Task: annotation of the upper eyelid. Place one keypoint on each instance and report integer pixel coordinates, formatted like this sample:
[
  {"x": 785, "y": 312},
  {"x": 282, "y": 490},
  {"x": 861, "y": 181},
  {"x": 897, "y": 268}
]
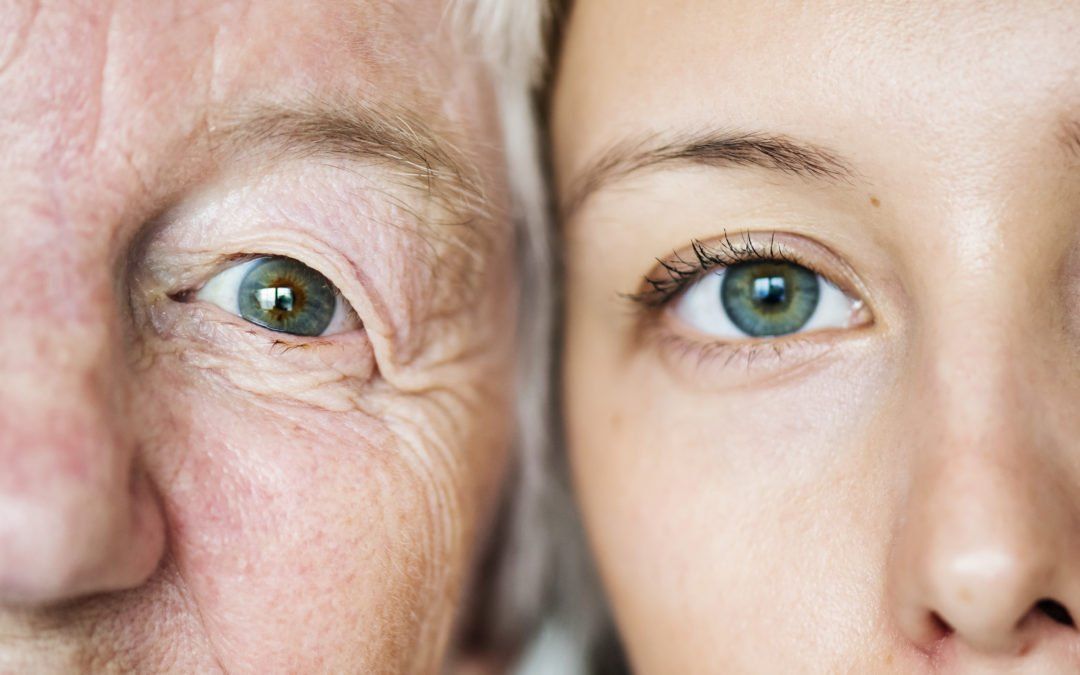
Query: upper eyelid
[
  {"x": 679, "y": 272},
  {"x": 748, "y": 246}
]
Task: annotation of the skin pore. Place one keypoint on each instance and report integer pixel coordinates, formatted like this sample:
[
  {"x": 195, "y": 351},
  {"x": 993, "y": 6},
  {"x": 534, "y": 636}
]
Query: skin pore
[
  {"x": 897, "y": 487},
  {"x": 185, "y": 490}
]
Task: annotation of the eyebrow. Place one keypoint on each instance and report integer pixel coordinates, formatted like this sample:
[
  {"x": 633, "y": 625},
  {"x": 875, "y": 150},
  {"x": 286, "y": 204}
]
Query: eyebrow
[
  {"x": 777, "y": 153},
  {"x": 412, "y": 149}
]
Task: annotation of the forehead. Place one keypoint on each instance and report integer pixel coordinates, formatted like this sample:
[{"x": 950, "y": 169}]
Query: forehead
[
  {"x": 233, "y": 45},
  {"x": 135, "y": 81},
  {"x": 818, "y": 70}
]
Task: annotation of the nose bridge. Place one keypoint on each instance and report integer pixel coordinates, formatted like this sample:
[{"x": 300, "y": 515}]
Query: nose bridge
[
  {"x": 58, "y": 413},
  {"x": 58, "y": 351},
  {"x": 74, "y": 516},
  {"x": 987, "y": 520}
]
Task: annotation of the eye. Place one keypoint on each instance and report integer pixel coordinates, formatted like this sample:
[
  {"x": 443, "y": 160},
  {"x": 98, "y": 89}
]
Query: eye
[
  {"x": 283, "y": 295},
  {"x": 762, "y": 299}
]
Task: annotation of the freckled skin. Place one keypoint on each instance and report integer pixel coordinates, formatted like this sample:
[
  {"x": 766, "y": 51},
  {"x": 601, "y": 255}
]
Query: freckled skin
[
  {"x": 183, "y": 491},
  {"x": 905, "y": 502}
]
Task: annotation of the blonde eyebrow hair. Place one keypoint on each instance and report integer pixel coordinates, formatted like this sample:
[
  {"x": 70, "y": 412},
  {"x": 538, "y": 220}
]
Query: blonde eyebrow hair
[{"x": 410, "y": 148}]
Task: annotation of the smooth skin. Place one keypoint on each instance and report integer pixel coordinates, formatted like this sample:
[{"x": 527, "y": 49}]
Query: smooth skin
[
  {"x": 900, "y": 494},
  {"x": 182, "y": 490}
]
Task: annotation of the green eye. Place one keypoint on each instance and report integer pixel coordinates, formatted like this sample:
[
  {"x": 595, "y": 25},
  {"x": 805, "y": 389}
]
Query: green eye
[
  {"x": 281, "y": 294},
  {"x": 286, "y": 295},
  {"x": 769, "y": 298}
]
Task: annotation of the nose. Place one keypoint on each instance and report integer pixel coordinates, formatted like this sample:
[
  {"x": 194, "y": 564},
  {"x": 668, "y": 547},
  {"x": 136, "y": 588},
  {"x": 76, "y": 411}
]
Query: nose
[
  {"x": 77, "y": 516},
  {"x": 982, "y": 555}
]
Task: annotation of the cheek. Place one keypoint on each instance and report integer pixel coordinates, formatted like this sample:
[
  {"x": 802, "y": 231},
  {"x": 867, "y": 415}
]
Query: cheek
[
  {"x": 701, "y": 506},
  {"x": 299, "y": 521}
]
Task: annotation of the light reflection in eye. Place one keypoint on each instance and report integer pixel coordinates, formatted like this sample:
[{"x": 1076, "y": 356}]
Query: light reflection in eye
[{"x": 275, "y": 298}]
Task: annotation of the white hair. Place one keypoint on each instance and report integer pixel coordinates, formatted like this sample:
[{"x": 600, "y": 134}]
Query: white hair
[{"x": 542, "y": 582}]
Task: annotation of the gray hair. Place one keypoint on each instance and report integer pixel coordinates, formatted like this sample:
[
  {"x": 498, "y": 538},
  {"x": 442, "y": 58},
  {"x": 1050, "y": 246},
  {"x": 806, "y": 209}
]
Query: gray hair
[{"x": 541, "y": 583}]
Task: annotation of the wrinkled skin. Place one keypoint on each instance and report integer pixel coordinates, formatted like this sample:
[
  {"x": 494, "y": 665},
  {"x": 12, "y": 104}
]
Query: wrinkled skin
[
  {"x": 182, "y": 490},
  {"x": 895, "y": 496}
]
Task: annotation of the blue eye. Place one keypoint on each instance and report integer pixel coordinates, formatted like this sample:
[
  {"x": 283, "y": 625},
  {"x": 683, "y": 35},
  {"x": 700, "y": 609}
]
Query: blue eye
[
  {"x": 282, "y": 295},
  {"x": 762, "y": 299}
]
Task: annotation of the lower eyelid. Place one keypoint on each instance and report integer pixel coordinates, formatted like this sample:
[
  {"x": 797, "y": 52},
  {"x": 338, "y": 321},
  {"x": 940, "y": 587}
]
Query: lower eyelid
[{"x": 713, "y": 364}]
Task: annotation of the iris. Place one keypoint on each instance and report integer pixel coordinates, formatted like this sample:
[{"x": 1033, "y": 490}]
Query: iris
[
  {"x": 286, "y": 295},
  {"x": 768, "y": 298}
]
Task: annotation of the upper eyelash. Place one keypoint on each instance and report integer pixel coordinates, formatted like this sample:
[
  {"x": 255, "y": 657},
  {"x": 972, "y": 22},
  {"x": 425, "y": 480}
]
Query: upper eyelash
[{"x": 679, "y": 273}]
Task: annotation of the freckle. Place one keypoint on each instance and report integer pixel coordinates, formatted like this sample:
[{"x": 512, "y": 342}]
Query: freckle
[
  {"x": 874, "y": 201},
  {"x": 964, "y": 594},
  {"x": 889, "y": 658}
]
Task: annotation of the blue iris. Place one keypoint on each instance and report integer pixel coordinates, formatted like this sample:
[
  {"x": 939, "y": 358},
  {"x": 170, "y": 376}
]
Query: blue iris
[
  {"x": 286, "y": 295},
  {"x": 769, "y": 298}
]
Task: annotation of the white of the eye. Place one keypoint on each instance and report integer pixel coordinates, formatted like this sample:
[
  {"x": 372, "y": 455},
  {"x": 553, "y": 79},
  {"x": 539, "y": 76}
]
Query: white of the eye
[
  {"x": 700, "y": 307},
  {"x": 223, "y": 290}
]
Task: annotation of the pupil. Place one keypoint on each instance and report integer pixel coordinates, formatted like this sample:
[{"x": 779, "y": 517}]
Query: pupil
[{"x": 770, "y": 291}]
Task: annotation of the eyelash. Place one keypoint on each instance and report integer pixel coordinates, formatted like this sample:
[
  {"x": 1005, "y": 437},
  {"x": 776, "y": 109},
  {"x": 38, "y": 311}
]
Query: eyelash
[{"x": 679, "y": 273}]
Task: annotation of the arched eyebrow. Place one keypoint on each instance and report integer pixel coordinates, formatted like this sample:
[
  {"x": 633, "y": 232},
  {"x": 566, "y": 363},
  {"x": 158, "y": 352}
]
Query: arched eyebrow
[
  {"x": 408, "y": 147},
  {"x": 771, "y": 152}
]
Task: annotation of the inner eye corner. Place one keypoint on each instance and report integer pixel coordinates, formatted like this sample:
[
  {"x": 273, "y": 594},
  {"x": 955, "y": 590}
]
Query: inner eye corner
[{"x": 185, "y": 295}]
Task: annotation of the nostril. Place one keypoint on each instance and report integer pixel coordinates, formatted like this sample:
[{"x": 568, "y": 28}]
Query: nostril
[
  {"x": 941, "y": 626},
  {"x": 1056, "y": 611}
]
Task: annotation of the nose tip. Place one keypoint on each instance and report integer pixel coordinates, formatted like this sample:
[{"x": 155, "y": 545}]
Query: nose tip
[
  {"x": 75, "y": 540},
  {"x": 77, "y": 516},
  {"x": 983, "y": 564},
  {"x": 989, "y": 597}
]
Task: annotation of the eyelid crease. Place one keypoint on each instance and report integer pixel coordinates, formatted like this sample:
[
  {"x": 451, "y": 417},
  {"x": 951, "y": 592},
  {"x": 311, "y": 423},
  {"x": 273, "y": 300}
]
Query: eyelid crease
[
  {"x": 458, "y": 218},
  {"x": 665, "y": 285}
]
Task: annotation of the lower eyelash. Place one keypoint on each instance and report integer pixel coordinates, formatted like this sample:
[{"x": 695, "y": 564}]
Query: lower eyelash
[
  {"x": 750, "y": 356},
  {"x": 679, "y": 273}
]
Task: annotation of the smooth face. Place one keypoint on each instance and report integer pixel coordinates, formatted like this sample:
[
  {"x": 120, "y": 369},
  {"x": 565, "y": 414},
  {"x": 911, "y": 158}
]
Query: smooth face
[
  {"x": 834, "y": 429},
  {"x": 284, "y": 468}
]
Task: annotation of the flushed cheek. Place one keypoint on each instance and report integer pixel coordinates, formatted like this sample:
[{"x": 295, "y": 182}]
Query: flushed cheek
[{"x": 302, "y": 532}]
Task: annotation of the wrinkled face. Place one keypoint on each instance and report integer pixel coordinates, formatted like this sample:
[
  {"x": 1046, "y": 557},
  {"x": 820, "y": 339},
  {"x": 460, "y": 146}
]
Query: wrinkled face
[
  {"x": 834, "y": 428},
  {"x": 255, "y": 353}
]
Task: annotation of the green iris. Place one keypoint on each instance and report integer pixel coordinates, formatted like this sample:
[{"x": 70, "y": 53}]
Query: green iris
[
  {"x": 286, "y": 295},
  {"x": 771, "y": 297}
]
